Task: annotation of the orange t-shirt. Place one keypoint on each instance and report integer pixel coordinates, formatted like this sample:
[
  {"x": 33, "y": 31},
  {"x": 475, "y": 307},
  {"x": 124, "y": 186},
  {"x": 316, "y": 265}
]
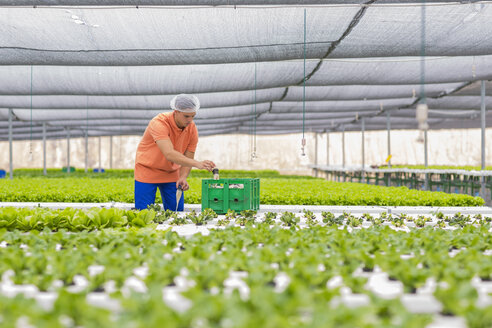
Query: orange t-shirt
[{"x": 150, "y": 164}]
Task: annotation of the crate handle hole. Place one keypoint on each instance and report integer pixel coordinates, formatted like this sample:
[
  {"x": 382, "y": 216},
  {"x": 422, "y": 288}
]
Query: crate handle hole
[
  {"x": 216, "y": 200},
  {"x": 236, "y": 200},
  {"x": 236, "y": 186}
]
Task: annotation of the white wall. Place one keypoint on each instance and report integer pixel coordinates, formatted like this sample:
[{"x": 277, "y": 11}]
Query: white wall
[{"x": 280, "y": 152}]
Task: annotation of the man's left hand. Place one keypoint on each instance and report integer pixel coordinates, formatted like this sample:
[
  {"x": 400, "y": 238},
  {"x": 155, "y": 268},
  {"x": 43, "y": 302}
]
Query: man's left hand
[{"x": 183, "y": 183}]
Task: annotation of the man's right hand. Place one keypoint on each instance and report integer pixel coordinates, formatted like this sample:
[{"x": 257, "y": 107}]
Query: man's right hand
[{"x": 206, "y": 165}]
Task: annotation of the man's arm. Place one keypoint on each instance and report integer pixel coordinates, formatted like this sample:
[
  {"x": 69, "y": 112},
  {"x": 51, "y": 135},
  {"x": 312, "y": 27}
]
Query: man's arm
[
  {"x": 184, "y": 171},
  {"x": 167, "y": 149}
]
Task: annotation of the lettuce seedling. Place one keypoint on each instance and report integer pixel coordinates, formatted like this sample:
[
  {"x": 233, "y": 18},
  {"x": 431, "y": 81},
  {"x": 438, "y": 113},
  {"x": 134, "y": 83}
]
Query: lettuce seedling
[
  {"x": 231, "y": 214},
  {"x": 289, "y": 219},
  {"x": 241, "y": 220},
  {"x": 209, "y": 214},
  {"x": 246, "y": 217},
  {"x": 143, "y": 218},
  {"x": 457, "y": 299},
  {"x": 420, "y": 222},
  {"x": 327, "y": 216},
  {"x": 377, "y": 222},
  {"x": 354, "y": 222},
  {"x": 308, "y": 214},
  {"x": 249, "y": 214},
  {"x": 441, "y": 224},
  {"x": 440, "y": 215},
  {"x": 222, "y": 222},
  {"x": 160, "y": 214},
  {"x": 191, "y": 216},
  {"x": 155, "y": 207},
  {"x": 312, "y": 222},
  {"x": 398, "y": 222},
  {"x": 425, "y": 218},
  {"x": 202, "y": 218},
  {"x": 269, "y": 217},
  {"x": 310, "y": 218},
  {"x": 177, "y": 220},
  {"x": 459, "y": 219}
]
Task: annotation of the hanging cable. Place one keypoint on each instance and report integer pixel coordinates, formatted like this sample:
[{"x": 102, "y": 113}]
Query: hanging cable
[
  {"x": 30, "y": 142},
  {"x": 87, "y": 114},
  {"x": 303, "y": 142},
  {"x": 253, "y": 155},
  {"x": 422, "y": 55},
  {"x": 250, "y": 135},
  {"x": 121, "y": 114},
  {"x": 86, "y": 132}
]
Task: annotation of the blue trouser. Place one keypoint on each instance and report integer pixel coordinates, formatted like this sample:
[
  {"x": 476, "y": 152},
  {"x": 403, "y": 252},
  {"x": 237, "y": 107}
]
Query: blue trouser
[{"x": 145, "y": 195}]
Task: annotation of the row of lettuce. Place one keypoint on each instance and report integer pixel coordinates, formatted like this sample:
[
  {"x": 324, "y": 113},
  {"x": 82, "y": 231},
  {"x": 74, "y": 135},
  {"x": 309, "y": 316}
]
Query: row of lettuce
[
  {"x": 128, "y": 173},
  {"x": 200, "y": 269},
  {"x": 45, "y": 219},
  {"x": 276, "y": 191},
  {"x": 440, "y": 167}
]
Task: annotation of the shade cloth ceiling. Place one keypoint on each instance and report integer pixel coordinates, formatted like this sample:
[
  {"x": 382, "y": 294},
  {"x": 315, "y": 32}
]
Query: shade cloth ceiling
[{"x": 265, "y": 67}]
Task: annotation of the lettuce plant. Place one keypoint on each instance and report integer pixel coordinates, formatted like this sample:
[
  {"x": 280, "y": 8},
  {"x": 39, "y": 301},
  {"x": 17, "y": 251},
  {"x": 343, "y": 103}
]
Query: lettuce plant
[
  {"x": 269, "y": 218},
  {"x": 289, "y": 219},
  {"x": 230, "y": 215}
]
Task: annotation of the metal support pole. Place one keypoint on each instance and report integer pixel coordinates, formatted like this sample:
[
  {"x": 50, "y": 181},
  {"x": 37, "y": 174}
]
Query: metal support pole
[
  {"x": 120, "y": 141},
  {"x": 343, "y": 151},
  {"x": 11, "y": 166},
  {"x": 363, "y": 122},
  {"x": 100, "y": 166},
  {"x": 44, "y": 149},
  {"x": 316, "y": 154},
  {"x": 388, "y": 128},
  {"x": 343, "y": 147},
  {"x": 68, "y": 150},
  {"x": 86, "y": 150},
  {"x": 327, "y": 148},
  {"x": 327, "y": 154},
  {"x": 482, "y": 112},
  {"x": 110, "y": 152},
  {"x": 426, "y": 181}
]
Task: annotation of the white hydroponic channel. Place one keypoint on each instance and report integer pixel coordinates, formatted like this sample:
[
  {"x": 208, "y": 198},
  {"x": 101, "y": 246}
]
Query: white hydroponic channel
[{"x": 423, "y": 301}]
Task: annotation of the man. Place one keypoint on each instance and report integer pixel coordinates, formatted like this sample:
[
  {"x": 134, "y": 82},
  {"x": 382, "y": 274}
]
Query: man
[{"x": 165, "y": 155}]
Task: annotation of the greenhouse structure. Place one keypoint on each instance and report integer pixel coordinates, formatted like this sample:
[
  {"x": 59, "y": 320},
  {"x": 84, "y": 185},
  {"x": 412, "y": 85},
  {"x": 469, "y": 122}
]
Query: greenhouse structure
[{"x": 354, "y": 236}]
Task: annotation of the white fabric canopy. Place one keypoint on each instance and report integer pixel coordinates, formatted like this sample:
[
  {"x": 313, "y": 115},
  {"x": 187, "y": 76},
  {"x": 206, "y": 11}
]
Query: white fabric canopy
[{"x": 108, "y": 67}]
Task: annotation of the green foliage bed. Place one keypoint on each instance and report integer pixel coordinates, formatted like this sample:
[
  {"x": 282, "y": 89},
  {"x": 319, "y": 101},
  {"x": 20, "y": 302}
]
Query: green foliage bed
[
  {"x": 310, "y": 258},
  {"x": 128, "y": 173},
  {"x": 440, "y": 167},
  {"x": 274, "y": 189}
]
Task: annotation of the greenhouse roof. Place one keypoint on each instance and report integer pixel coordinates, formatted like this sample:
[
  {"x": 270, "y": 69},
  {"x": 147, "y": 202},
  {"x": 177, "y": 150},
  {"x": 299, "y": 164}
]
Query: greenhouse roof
[{"x": 266, "y": 67}]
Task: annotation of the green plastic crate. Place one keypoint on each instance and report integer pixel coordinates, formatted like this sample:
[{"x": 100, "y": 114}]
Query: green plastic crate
[
  {"x": 231, "y": 194},
  {"x": 72, "y": 169}
]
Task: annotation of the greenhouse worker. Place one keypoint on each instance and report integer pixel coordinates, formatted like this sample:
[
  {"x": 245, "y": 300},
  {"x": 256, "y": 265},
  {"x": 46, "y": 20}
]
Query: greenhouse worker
[{"x": 165, "y": 155}]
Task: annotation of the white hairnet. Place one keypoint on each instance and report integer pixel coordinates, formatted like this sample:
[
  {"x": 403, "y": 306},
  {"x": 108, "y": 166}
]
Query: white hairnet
[{"x": 185, "y": 103}]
